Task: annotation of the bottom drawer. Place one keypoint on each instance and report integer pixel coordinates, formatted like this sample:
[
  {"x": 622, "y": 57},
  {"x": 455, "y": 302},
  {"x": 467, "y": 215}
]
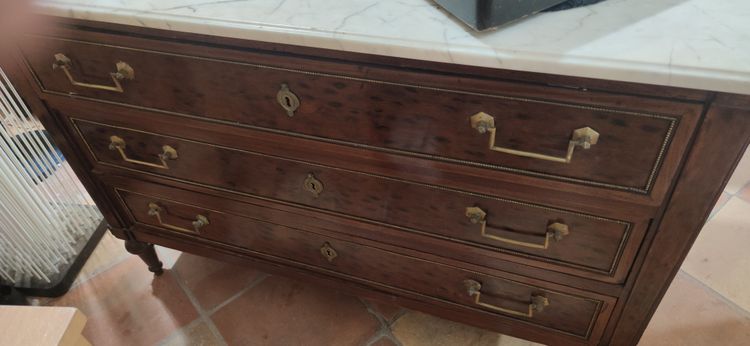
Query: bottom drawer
[{"x": 565, "y": 310}]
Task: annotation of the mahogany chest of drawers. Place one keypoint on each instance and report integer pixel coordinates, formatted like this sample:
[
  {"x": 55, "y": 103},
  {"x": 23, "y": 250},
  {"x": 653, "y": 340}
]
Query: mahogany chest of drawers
[{"x": 550, "y": 208}]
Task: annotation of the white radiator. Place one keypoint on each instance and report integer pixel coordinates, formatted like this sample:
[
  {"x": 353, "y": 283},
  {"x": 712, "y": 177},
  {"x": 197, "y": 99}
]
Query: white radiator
[{"x": 44, "y": 210}]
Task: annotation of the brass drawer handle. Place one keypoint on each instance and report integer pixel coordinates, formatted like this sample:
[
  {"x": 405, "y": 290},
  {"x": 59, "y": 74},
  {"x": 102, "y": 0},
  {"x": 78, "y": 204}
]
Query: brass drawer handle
[
  {"x": 584, "y": 137},
  {"x": 168, "y": 153},
  {"x": 124, "y": 71},
  {"x": 536, "y": 302},
  {"x": 288, "y": 100},
  {"x": 200, "y": 220},
  {"x": 555, "y": 230}
]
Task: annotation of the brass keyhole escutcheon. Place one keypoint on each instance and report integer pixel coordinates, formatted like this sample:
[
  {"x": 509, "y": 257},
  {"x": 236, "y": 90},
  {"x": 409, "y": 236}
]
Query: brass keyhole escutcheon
[
  {"x": 328, "y": 252},
  {"x": 287, "y": 100},
  {"x": 312, "y": 185}
]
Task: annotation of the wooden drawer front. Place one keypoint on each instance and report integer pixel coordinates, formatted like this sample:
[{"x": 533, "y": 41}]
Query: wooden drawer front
[
  {"x": 405, "y": 118},
  {"x": 569, "y": 313},
  {"x": 582, "y": 244}
]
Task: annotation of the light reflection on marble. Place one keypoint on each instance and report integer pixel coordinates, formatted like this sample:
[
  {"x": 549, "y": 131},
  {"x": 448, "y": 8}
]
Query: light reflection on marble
[{"x": 702, "y": 44}]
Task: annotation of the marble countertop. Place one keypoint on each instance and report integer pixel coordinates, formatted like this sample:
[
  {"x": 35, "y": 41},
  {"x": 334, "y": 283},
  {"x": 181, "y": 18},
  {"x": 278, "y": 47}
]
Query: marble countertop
[{"x": 700, "y": 44}]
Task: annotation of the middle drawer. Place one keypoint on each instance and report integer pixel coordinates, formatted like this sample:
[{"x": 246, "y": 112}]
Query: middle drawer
[{"x": 566, "y": 241}]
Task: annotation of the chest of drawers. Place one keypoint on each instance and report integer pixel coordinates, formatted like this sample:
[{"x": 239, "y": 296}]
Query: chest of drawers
[{"x": 501, "y": 199}]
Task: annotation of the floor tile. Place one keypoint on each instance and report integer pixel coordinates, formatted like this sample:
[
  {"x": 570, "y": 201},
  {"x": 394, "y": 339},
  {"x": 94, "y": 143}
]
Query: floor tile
[
  {"x": 283, "y": 312},
  {"x": 211, "y": 281},
  {"x": 691, "y": 315},
  {"x": 744, "y": 193},
  {"x": 388, "y": 312},
  {"x": 108, "y": 252},
  {"x": 195, "y": 334},
  {"x": 723, "y": 199},
  {"x": 128, "y": 305},
  {"x": 719, "y": 257},
  {"x": 741, "y": 175},
  {"x": 418, "y": 329},
  {"x": 168, "y": 256}
]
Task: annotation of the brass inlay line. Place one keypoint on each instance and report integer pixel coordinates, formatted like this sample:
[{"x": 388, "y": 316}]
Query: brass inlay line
[{"x": 644, "y": 190}]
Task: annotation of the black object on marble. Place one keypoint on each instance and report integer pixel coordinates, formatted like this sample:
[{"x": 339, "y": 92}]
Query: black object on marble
[
  {"x": 487, "y": 14},
  {"x": 572, "y": 4}
]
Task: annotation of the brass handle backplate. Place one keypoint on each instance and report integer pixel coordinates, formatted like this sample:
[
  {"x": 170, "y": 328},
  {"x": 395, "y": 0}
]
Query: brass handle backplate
[
  {"x": 555, "y": 230},
  {"x": 584, "y": 138},
  {"x": 536, "y": 302},
  {"x": 168, "y": 153},
  {"x": 312, "y": 185},
  {"x": 124, "y": 71},
  {"x": 288, "y": 100},
  {"x": 328, "y": 252},
  {"x": 200, "y": 220}
]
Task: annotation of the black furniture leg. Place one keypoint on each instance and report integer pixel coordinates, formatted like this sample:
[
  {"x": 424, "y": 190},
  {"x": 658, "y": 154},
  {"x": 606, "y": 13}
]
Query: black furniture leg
[{"x": 147, "y": 253}]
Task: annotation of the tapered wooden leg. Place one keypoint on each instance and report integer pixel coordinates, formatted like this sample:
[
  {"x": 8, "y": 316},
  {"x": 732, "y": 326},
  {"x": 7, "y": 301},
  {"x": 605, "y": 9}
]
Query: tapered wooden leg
[{"x": 147, "y": 253}]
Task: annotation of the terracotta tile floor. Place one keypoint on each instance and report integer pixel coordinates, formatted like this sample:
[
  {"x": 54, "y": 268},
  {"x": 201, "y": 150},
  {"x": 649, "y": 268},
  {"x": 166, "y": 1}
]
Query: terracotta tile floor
[{"x": 199, "y": 301}]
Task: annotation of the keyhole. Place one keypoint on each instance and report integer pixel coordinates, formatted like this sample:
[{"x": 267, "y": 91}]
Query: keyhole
[
  {"x": 287, "y": 100},
  {"x": 328, "y": 252},
  {"x": 312, "y": 185}
]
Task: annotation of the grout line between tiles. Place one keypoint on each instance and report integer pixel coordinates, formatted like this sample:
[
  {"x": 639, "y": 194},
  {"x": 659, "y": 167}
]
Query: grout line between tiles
[
  {"x": 397, "y": 316},
  {"x": 201, "y": 313},
  {"x": 718, "y": 207},
  {"x": 385, "y": 326},
  {"x": 714, "y": 292},
  {"x": 96, "y": 273},
  {"x": 252, "y": 285},
  {"x": 381, "y": 336}
]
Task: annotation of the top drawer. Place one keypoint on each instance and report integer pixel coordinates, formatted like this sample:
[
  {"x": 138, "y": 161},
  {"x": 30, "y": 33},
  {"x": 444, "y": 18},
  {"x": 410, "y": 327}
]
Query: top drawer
[{"x": 403, "y": 112}]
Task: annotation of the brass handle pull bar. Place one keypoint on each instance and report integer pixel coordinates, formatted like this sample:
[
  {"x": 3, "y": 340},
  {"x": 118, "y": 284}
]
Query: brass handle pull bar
[
  {"x": 124, "y": 71},
  {"x": 200, "y": 220},
  {"x": 584, "y": 138},
  {"x": 555, "y": 230},
  {"x": 168, "y": 153},
  {"x": 536, "y": 302}
]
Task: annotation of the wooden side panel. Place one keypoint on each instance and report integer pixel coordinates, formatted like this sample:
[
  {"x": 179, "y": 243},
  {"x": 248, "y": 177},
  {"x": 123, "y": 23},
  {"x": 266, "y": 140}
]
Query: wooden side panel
[{"x": 719, "y": 145}]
